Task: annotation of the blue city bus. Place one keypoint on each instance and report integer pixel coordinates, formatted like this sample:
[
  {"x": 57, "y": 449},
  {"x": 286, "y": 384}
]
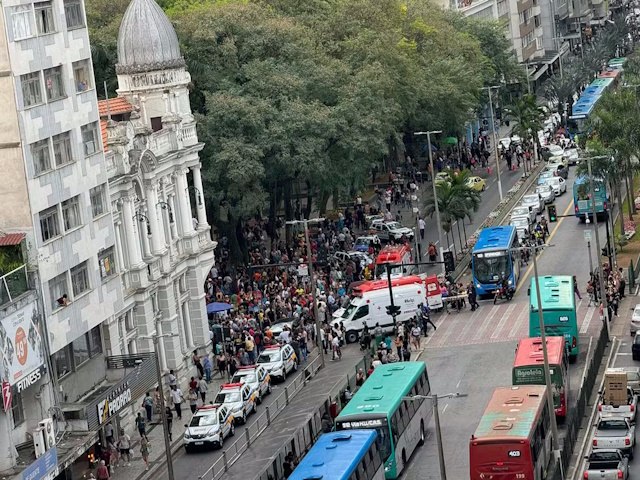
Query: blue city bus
[
  {"x": 582, "y": 204},
  {"x": 494, "y": 258},
  {"x": 344, "y": 455}
]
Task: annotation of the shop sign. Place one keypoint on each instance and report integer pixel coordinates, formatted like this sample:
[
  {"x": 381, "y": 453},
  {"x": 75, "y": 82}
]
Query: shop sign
[
  {"x": 113, "y": 403},
  {"x": 25, "y": 382},
  {"x": 6, "y": 396},
  {"x": 43, "y": 466},
  {"x": 20, "y": 344}
]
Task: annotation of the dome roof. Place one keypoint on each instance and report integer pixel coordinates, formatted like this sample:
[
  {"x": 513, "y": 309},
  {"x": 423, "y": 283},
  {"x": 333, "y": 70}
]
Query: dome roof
[{"x": 147, "y": 40}]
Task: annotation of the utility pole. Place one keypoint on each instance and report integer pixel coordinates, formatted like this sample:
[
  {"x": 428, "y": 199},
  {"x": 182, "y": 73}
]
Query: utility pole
[
  {"x": 312, "y": 280},
  {"x": 495, "y": 135},
  {"x": 435, "y": 194}
]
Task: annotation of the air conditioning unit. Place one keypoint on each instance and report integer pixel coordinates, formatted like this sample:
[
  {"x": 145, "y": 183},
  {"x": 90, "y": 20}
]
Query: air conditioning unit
[
  {"x": 38, "y": 442},
  {"x": 49, "y": 432}
]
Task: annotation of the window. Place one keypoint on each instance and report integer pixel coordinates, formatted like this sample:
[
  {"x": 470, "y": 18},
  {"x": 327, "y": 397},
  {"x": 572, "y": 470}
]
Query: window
[
  {"x": 80, "y": 278},
  {"x": 80, "y": 348},
  {"x": 156, "y": 123},
  {"x": 90, "y": 138},
  {"x": 363, "y": 311},
  {"x": 62, "y": 362},
  {"x": 82, "y": 76},
  {"x": 73, "y": 14},
  {"x": 49, "y": 223},
  {"x": 62, "y": 148},
  {"x": 21, "y": 20},
  {"x": 54, "y": 83},
  {"x": 41, "y": 156},
  {"x": 97, "y": 198},
  {"x": 58, "y": 288},
  {"x": 31, "y": 90},
  {"x": 95, "y": 341},
  {"x": 71, "y": 213},
  {"x": 44, "y": 17},
  {"x": 17, "y": 409},
  {"x": 106, "y": 261}
]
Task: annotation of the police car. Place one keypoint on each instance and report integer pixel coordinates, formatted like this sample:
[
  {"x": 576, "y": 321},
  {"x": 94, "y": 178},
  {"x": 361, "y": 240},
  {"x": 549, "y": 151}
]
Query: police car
[
  {"x": 209, "y": 426},
  {"x": 240, "y": 398},
  {"x": 257, "y": 377},
  {"x": 279, "y": 360}
]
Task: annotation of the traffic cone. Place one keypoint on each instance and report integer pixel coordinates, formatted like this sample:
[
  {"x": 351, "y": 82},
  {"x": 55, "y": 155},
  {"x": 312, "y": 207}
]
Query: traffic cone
[{"x": 489, "y": 170}]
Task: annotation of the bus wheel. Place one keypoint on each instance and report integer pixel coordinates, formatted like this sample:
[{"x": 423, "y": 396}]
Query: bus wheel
[{"x": 421, "y": 441}]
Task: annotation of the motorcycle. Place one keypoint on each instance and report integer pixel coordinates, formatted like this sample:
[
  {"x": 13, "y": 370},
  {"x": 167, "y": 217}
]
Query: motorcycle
[{"x": 504, "y": 293}]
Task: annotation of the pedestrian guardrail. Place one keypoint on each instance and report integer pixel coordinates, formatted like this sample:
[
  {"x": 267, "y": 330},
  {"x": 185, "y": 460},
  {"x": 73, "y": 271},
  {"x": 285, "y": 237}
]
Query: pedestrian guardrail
[{"x": 231, "y": 454}]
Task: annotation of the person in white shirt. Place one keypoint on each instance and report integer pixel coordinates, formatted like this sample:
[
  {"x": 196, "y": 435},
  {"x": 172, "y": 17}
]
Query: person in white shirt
[
  {"x": 421, "y": 225},
  {"x": 177, "y": 398}
]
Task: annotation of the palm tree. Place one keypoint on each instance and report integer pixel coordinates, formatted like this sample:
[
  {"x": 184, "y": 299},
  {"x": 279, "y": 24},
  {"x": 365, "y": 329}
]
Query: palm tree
[{"x": 528, "y": 117}]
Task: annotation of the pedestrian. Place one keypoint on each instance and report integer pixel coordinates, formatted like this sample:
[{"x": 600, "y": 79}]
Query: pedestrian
[
  {"x": 377, "y": 332},
  {"x": 398, "y": 344},
  {"x": 202, "y": 388},
  {"x": 169, "y": 415},
  {"x": 124, "y": 444},
  {"x": 415, "y": 337},
  {"x": 108, "y": 432},
  {"x": 102, "y": 473},
  {"x": 196, "y": 361},
  {"x": 432, "y": 251},
  {"x": 193, "y": 384},
  {"x": 147, "y": 404},
  {"x": 177, "y": 398},
  {"x": 140, "y": 424},
  {"x": 360, "y": 378},
  {"x": 622, "y": 284},
  {"x": 473, "y": 296},
  {"x": 206, "y": 364},
  {"x": 193, "y": 400},
  {"x": 421, "y": 225},
  {"x": 144, "y": 451},
  {"x": 172, "y": 381},
  {"x": 575, "y": 287}
]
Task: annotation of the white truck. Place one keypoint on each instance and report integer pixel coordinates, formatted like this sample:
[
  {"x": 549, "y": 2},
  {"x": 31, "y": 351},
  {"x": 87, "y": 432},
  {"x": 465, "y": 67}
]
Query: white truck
[
  {"x": 615, "y": 433},
  {"x": 617, "y": 408},
  {"x": 606, "y": 465}
]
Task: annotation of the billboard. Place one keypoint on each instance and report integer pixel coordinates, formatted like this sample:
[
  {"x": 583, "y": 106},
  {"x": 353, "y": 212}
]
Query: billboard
[{"x": 20, "y": 344}]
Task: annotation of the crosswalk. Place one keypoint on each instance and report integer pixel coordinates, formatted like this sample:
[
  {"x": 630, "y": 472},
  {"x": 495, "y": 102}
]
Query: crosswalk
[{"x": 498, "y": 323}]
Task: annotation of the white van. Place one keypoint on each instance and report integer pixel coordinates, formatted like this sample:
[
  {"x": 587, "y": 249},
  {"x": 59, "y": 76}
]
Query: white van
[{"x": 371, "y": 300}]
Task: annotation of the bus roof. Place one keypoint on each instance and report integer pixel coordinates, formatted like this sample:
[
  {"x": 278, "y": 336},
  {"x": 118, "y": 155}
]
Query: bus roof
[
  {"x": 556, "y": 293},
  {"x": 495, "y": 238},
  {"x": 335, "y": 455},
  {"x": 392, "y": 254},
  {"x": 530, "y": 351},
  {"x": 383, "y": 391},
  {"x": 511, "y": 413},
  {"x": 383, "y": 284}
]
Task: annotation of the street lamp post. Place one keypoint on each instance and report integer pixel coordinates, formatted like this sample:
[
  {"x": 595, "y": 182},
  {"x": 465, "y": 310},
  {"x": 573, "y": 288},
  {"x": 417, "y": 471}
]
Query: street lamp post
[
  {"x": 312, "y": 280},
  {"x": 435, "y": 194},
  {"x": 163, "y": 411},
  {"x": 495, "y": 136},
  {"x": 436, "y": 419}
]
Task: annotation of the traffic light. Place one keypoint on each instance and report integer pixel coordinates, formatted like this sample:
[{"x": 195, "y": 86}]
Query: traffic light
[
  {"x": 553, "y": 214},
  {"x": 393, "y": 310},
  {"x": 449, "y": 263}
]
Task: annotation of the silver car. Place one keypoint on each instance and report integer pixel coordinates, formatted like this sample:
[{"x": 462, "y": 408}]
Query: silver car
[
  {"x": 558, "y": 184},
  {"x": 534, "y": 202},
  {"x": 522, "y": 226},
  {"x": 546, "y": 193},
  {"x": 521, "y": 211}
]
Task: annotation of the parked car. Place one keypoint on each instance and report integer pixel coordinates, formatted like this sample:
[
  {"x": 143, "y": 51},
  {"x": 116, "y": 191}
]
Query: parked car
[
  {"x": 392, "y": 231},
  {"x": 608, "y": 464},
  {"x": 534, "y": 202},
  {"x": 546, "y": 193},
  {"x": 557, "y": 170},
  {"x": 635, "y": 346},
  {"x": 521, "y": 211},
  {"x": 558, "y": 184},
  {"x": 553, "y": 150},
  {"x": 544, "y": 176},
  {"x": 625, "y": 410},
  {"x": 572, "y": 156},
  {"x": 353, "y": 256},
  {"x": 635, "y": 320},
  {"x": 559, "y": 159},
  {"x": 443, "y": 177},
  {"x": 615, "y": 433}
]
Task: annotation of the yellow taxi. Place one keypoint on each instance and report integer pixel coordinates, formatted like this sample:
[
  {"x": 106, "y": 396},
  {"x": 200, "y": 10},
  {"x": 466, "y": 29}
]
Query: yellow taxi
[
  {"x": 239, "y": 398},
  {"x": 257, "y": 377},
  {"x": 477, "y": 183}
]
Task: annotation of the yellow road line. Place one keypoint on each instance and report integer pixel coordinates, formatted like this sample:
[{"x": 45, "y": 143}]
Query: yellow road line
[{"x": 523, "y": 280}]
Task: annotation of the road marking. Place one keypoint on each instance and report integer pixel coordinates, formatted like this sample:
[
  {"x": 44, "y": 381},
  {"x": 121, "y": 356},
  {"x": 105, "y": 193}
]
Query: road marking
[
  {"x": 529, "y": 270},
  {"x": 623, "y": 353},
  {"x": 505, "y": 317},
  {"x": 458, "y": 384},
  {"x": 445, "y": 408},
  {"x": 587, "y": 320}
]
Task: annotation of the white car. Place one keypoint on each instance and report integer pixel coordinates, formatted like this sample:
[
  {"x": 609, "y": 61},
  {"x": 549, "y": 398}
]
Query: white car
[
  {"x": 257, "y": 377},
  {"x": 240, "y": 398},
  {"x": 344, "y": 257},
  {"x": 558, "y": 184},
  {"x": 392, "y": 231},
  {"x": 635, "y": 320},
  {"x": 546, "y": 193},
  {"x": 534, "y": 202},
  {"x": 278, "y": 326},
  {"x": 572, "y": 156},
  {"x": 521, "y": 211},
  {"x": 279, "y": 360},
  {"x": 555, "y": 150},
  {"x": 522, "y": 226},
  {"x": 209, "y": 426}
]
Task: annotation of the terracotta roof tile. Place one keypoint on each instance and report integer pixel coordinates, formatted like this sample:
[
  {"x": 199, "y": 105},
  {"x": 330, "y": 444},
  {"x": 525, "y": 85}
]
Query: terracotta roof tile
[
  {"x": 117, "y": 106},
  {"x": 10, "y": 239},
  {"x": 103, "y": 132}
]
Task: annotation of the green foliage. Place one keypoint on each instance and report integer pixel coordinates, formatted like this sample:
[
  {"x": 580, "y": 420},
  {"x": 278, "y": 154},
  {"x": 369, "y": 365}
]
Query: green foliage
[{"x": 456, "y": 200}]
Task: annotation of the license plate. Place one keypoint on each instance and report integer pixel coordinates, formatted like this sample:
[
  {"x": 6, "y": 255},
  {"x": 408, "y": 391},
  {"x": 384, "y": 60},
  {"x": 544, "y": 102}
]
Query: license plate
[{"x": 198, "y": 443}]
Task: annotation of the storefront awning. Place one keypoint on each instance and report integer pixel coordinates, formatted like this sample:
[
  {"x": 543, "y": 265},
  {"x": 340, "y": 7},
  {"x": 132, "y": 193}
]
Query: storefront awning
[{"x": 539, "y": 72}]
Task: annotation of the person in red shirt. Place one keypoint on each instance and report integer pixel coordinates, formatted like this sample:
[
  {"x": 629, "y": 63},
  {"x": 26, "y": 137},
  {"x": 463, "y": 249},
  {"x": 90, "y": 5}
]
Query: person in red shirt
[{"x": 102, "y": 473}]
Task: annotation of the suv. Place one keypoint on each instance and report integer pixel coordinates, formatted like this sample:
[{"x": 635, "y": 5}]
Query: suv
[
  {"x": 279, "y": 360},
  {"x": 392, "y": 231},
  {"x": 209, "y": 426},
  {"x": 240, "y": 398},
  {"x": 257, "y": 377}
]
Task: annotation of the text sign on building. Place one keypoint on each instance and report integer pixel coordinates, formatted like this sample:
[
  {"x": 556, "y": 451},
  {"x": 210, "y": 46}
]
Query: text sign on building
[
  {"x": 20, "y": 344},
  {"x": 28, "y": 380},
  {"x": 113, "y": 403},
  {"x": 42, "y": 467},
  {"x": 6, "y": 396}
]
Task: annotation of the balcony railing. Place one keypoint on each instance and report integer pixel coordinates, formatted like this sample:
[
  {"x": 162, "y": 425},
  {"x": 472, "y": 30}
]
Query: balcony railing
[{"x": 13, "y": 284}]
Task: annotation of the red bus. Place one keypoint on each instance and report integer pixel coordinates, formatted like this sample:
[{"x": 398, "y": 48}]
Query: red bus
[
  {"x": 528, "y": 368},
  {"x": 513, "y": 439}
]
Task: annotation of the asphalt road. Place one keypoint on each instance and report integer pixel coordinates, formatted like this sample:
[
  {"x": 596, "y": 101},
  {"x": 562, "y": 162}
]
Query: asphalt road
[{"x": 473, "y": 353}]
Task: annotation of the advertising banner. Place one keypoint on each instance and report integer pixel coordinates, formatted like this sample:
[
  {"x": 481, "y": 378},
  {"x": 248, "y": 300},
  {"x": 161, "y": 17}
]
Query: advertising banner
[{"x": 20, "y": 344}]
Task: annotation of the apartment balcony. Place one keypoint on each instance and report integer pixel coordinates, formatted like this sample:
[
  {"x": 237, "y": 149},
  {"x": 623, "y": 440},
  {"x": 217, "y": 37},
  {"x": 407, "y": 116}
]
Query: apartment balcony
[
  {"x": 471, "y": 7},
  {"x": 524, "y": 5}
]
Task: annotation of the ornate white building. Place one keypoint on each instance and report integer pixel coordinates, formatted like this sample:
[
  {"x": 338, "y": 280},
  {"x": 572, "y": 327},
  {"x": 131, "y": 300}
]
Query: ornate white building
[{"x": 163, "y": 241}]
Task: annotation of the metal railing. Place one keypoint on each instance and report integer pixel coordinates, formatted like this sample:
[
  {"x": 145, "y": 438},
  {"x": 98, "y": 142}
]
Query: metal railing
[
  {"x": 231, "y": 454},
  {"x": 13, "y": 284}
]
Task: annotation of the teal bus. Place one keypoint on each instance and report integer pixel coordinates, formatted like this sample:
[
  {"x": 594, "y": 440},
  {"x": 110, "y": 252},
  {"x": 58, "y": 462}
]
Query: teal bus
[
  {"x": 558, "y": 310},
  {"x": 582, "y": 203},
  {"x": 381, "y": 405}
]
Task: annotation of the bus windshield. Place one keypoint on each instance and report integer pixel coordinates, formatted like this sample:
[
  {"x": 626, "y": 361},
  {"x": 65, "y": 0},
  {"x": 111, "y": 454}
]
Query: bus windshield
[{"x": 490, "y": 267}]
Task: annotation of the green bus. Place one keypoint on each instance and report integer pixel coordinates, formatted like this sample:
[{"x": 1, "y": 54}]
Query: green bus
[
  {"x": 380, "y": 404},
  {"x": 558, "y": 310}
]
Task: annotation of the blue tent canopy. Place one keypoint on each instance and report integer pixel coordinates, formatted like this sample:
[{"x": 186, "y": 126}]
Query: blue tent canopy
[{"x": 217, "y": 307}]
